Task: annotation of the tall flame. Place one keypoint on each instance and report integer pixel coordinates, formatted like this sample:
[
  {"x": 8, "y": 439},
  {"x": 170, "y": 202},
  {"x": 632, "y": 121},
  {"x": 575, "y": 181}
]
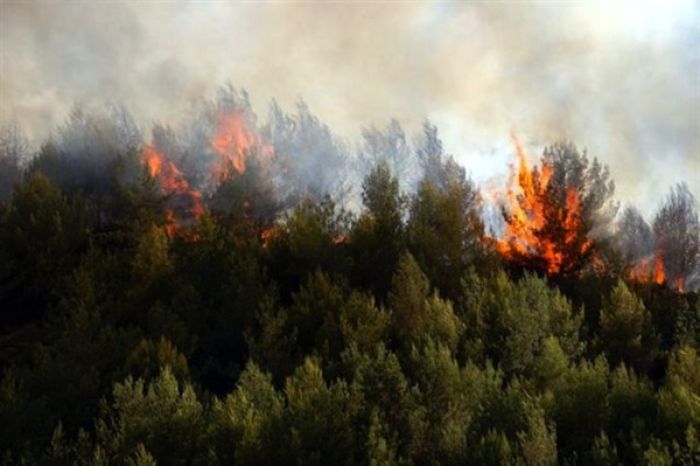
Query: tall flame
[
  {"x": 186, "y": 203},
  {"x": 234, "y": 142},
  {"x": 531, "y": 213}
]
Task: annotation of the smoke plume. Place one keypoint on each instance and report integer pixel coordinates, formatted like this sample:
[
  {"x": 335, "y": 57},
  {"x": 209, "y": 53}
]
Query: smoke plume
[{"x": 620, "y": 80}]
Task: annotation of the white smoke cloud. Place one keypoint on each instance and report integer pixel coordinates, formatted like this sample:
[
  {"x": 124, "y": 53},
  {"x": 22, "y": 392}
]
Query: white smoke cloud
[{"x": 622, "y": 80}]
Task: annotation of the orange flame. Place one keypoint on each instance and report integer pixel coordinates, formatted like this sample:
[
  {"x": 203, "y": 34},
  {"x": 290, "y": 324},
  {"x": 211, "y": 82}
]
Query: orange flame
[
  {"x": 234, "y": 142},
  {"x": 650, "y": 269},
  {"x": 266, "y": 236},
  {"x": 172, "y": 182},
  {"x": 531, "y": 211},
  {"x": 162, "y": 169},
  {"x": 659, "y": 275}
]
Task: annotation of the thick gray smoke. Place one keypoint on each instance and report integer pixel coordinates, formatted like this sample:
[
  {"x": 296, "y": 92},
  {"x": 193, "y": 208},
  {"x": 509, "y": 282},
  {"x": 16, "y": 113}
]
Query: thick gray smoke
[{"x": 620, "y": 79}]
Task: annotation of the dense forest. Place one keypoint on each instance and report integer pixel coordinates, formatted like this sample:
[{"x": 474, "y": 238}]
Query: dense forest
[{"x": 237, "y": 291}]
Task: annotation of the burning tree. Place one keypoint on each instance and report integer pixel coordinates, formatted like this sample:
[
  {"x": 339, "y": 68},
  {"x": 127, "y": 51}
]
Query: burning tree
[
  {"x": 636, "y": 242},
  {"x": 554, "y": 213},
  {"x": 677, "y": 230},
  {"x": 184, "y": 203},
  {"x": 242, "y": 166},
  {"x": 221, "y": 162},
  {"x": 668, "y": 252}
]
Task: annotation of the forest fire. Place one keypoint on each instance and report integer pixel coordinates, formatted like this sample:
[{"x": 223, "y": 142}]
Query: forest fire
[
  {"x": 162, "y": 169},
  {"x": 652, "y": 269},
  {"x": 234, "y": 142},
  {"x": 185, "y": 204},
  {"x": 649, "y": 269},
  {"x": 538, "y": 228}
]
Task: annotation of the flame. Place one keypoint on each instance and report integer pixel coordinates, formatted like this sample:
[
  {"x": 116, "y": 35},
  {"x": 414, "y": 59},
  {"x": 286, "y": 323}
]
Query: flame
[
  {"x": 649, "y": 269},
  {"x": 659, "y": 275},
  {"x": 233, "y": 142},
  {"x": 185, "y": 203},
  {"x": 267, "y": 235},
  {"x": 531, "y": 211},
  {"x": 162, "y": 169}
]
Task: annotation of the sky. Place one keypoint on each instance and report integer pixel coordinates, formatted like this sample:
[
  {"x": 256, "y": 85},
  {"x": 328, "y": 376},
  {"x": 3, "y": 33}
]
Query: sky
[{"x": 621, "y": 79}]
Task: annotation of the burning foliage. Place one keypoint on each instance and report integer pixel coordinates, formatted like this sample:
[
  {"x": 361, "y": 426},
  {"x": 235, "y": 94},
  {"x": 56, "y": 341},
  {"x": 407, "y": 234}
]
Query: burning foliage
[
  {"x": 184, "y": 203},
  {"x": 668, "y": 253},
  {"x": 677, "y": 229},
  {"x": 649, "y": 269},
  {"x": 556, "y": 214},
  {"x": 550, "y": 212},
  {"x": 234, "y": 142},
  {"x": 234, "y": 146},
  {"x": 259, "y": 297}
]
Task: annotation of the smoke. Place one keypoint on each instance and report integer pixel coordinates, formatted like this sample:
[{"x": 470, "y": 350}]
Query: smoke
[{"x": 622, "y": 81}]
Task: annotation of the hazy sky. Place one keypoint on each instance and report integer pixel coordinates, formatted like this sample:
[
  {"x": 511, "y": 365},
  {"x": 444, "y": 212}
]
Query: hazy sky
[{"x": 622, "y": 80}]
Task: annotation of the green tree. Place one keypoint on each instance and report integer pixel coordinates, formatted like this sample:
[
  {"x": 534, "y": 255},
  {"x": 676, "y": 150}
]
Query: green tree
[
  {"x": 624, "y": 332},
  {"x": 416, "y": 315},
  {"x": 550, "y": 364},
  {"x": 217, "y": 286},
  {"x": 41, "y": 241},
  {"x": 318, "y": 423},
  {"x": 362, "y": 323},
  {"x": 377, "y": 237},
  {"x": 166, "y": 418},
  {"x": 444, "y": 233},
  {"x": 141, "y": 457},
  {"x": 148, "y": 357},
  {"x": 633, "y": 410},
  {"x": 679, "y": 399},
  {"x": 579, "y": 408},
  {"x": 245, "y": 424},
  {"x": 538, "y": 443},
  {"x": 447, "y": 403},
  {"x": 380, "y": 450},
  {"x": 312, "y": 237},
  {"x": 511, "y": 321},
  {"x": 386, "y": 394}
]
